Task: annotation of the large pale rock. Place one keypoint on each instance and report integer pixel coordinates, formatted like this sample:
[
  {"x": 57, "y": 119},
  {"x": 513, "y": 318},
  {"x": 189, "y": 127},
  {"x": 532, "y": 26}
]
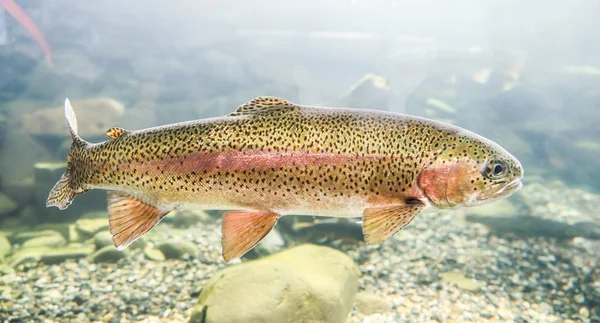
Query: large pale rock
[
  {"x": 307, "y": 283},
  {"x": 94, "y": 117}
]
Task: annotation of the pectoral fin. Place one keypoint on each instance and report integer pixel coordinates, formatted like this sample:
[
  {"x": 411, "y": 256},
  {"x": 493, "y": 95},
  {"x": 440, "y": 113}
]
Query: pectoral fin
[
  {"x": 129, "y": 218},
  {"x": 242, "y": 230},
  {"x": 381, "y": 223}
]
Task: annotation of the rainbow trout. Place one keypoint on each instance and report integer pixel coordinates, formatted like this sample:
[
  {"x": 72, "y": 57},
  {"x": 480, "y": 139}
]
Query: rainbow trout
[{"x": 272, "y": 157}]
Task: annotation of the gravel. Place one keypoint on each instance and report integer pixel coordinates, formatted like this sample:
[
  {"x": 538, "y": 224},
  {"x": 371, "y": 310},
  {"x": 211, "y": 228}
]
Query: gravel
[{"x": 520, "y": 279}]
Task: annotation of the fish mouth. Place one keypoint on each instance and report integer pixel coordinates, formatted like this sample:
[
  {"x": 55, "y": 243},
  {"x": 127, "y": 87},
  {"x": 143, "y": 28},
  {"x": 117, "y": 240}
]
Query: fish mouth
[
  {"x": 510, "y": 188},
  {"x": 505, "y": 191}
]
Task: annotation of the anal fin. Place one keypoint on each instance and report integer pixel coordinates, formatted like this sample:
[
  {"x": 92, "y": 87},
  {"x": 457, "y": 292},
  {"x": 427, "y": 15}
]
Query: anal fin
[
  {"x": 130, "y": 218},
  {"x": 242, "y": 230},
  {"x": 381, "y": 223}
]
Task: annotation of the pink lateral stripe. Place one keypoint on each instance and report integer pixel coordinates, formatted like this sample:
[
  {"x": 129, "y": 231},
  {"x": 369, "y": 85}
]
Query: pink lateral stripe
[{"x": 257, "y": 160}]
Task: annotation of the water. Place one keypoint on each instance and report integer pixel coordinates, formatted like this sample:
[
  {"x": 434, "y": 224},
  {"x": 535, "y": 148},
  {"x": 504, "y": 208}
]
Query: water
[
  {"x": 524, "y": 77},
  {"x": 3, "y": 31}
]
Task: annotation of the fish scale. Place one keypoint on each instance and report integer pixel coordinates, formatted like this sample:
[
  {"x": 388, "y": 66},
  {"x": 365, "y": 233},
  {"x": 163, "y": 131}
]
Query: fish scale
[{"x": 272, "y": 157}]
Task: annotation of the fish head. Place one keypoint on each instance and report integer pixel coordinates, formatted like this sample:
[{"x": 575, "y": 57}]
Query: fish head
[{"x": 469, "y": 171}]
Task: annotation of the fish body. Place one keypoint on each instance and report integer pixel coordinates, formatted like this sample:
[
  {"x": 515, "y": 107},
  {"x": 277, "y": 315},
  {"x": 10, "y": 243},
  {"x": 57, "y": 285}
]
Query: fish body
[{"x": 272, "y": 157}]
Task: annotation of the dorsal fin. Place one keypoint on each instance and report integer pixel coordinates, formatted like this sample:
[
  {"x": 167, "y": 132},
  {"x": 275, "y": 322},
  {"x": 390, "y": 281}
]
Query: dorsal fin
[
  {"x": 262, "y": 104},
  {"x": 114, "y": 133}
]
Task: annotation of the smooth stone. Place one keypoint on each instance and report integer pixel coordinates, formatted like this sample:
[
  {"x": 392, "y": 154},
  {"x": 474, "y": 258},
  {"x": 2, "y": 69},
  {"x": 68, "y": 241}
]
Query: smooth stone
[
  {"x": 73, "y": 234},
  {"x": 461, "y": 281},
  {"x": 153, "y": 254},
  {"x": 89, "y": 227},
  {"x": 584, "y": 312},
  {"x": 306, "y": 283},
  {"x": 54, "y": 241},
  {"x": 62, "y": 228},
  {"x": 546, "y": 308},
  {"x": 21, "y": 237},
  {"x": 140, "y": 243},
  {"x": 7, "y": 205},
  {"x": 186, "y": 218},
  {"x": 24, "y": 256},
  {"x": 177, "y": 248},
  {"x": 60, "y": 255},
  {"x": 579, "y": 298},
  {"x": 103, "y": 239},
  {"x": 5, "y": 248},
  {"x": 368, "y": 303},
  {"x": 108, "y": 254}
]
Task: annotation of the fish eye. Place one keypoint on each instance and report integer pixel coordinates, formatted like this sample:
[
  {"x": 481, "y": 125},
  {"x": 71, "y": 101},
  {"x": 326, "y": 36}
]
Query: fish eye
[{"x": 495, "y": 169}]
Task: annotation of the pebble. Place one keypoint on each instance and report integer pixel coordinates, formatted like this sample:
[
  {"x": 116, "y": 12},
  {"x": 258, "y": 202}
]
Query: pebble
[
  {"x": 102, "y": 239},
  {"x": 108, "y": 254},
  {"x": 53, "y": 241},
  {"x": 178, "y": 248},
  {"x": 153, "y": 254},
  {"x": 89, "y": 227},
  {"x": 368, "y": 303},
  {"x": 520, "y": 280},
  {"x": 584, "y": 312}
]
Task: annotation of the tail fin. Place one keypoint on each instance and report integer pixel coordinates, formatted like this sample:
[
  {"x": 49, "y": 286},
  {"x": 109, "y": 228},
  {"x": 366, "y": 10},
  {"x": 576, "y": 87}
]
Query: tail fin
[{"x": 63, "y": 192}]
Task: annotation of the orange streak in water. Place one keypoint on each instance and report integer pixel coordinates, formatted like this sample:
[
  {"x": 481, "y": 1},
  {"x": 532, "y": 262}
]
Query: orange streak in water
[{"x": 24, "y": 20}]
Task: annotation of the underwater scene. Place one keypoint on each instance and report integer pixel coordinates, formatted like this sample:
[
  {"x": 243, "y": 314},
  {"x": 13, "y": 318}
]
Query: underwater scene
[{"x": 299, "y": 161}]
